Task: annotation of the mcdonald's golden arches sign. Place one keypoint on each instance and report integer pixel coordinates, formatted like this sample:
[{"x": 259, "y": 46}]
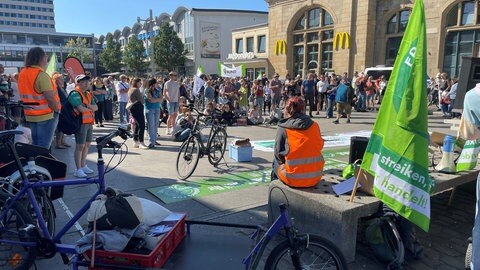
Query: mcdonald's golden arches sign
[
  {"x": 281, "y": 47},
  {"x": 341, "y": 41}
]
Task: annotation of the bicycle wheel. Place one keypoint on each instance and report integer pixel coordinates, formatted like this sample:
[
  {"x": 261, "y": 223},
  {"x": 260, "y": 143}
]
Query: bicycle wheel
[
  {"x": 14, "y": 256},
  {"x": 318, "y": 253},
  {"x": 48, "y": 210},
  {"x": 187, "y": 158},
  {"x": 216, "y": 146}
]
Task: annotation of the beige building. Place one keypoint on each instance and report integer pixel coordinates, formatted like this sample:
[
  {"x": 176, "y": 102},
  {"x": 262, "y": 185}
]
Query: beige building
[
  {"x": 250, "y": 47},
  {"x": 347, "y": 36}
]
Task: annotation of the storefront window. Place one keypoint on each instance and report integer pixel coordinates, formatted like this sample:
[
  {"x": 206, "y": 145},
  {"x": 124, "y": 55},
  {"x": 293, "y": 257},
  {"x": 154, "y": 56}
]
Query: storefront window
[
  {"x": 395, "y": 28},
  {"x": 250, "y": 44},
  {"x": 261, "y": 44},
  {"x": 468, "y": 10},
  {"x": 314, "y": 18},
  {"x": 250, "y": 72},
  {"x": 313, "y": 42},
  {"x": 460, "y": 41},
  {"x": 239, "y": 45}
]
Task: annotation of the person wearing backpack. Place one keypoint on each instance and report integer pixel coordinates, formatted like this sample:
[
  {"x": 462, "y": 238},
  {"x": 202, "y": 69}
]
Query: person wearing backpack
[{"x": 83, "y": 104}]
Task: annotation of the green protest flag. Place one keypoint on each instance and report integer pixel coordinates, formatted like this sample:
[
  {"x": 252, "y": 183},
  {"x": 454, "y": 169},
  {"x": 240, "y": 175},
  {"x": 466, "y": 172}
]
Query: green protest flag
[
  {"x": 52, "y": 66},
  {"x": 200, "y": 70},
  {"x": 397, "y": 153}
]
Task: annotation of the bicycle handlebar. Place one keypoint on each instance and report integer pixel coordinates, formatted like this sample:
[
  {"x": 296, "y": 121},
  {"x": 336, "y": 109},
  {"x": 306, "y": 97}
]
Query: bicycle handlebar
[{"x": 107, "y": 139}]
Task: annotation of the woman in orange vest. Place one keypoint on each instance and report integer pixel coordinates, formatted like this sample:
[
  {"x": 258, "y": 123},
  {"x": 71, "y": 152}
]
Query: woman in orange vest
[
  {"x": 35, "y": 86},
  {"x": 298, "y": 147}
]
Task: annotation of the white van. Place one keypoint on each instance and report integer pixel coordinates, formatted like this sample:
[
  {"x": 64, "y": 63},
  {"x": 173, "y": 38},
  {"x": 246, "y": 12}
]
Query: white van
[{"x": 378, "y": 71}]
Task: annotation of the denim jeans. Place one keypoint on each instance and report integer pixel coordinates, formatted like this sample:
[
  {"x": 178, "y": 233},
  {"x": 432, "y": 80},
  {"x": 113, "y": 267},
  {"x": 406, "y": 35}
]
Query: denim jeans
[
  {"x": 330, "y": 108},
  {"x": 362, "y": 98},
  {"x": 153, "y": 116},
  {"x": 124, "y": 113},
  {"x": 42, "y": 132},
  {"x": 260, "y": 102},
  {"x": 475, "y": 265}
]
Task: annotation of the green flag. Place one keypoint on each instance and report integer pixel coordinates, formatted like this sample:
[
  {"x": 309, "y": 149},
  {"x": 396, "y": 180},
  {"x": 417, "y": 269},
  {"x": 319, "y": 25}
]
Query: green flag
[
  {"x": 200, "y": 70},
  {"x": 52, "y": 65},
  {"x": 397, "y": 153}
]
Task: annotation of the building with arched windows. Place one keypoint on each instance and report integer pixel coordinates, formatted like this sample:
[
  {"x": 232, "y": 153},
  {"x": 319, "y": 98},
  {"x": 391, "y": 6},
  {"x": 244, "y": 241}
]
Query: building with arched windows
[{"x": 346, "y": 36}]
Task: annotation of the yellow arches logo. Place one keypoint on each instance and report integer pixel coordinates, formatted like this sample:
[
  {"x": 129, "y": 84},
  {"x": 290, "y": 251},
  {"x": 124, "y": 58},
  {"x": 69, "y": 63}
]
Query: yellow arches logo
[
  {"x": 280, "y": 47},
  {"x": 341, "y": 41}
]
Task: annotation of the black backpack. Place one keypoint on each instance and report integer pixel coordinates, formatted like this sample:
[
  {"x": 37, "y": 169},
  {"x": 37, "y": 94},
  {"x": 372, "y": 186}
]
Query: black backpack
[{"x": 68, "y": 122}]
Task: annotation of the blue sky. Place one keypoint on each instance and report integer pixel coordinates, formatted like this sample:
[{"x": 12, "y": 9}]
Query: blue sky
[{"x": 102, "y": 16}]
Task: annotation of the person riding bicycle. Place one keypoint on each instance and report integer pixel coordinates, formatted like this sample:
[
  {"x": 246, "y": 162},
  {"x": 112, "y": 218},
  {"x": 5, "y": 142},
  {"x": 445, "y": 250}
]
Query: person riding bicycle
[{"x": 298, "y": 158}]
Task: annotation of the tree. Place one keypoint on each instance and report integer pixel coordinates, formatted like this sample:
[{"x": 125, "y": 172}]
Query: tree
[
  {"x": 134, "y": 55},
  {"x": 111, "y": 56},
  {"x": 78, "y": 48},
  {"x": 169, "y": 49}
]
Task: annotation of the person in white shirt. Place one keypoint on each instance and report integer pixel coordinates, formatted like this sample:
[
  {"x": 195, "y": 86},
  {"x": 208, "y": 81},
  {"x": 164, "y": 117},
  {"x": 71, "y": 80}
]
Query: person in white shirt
[
  {"x": 171, "y": 92},
  {"x": 122, "y": 92},
  {"x": 322, "y": 86}
]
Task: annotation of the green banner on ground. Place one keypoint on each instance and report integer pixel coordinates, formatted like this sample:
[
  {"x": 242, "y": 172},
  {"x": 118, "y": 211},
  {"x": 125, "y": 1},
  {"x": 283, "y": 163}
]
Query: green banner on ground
[
  {"x": 209, "y": 186},
  {"x": 397, "y": 153},
  {"x": 335, "y": 159}
]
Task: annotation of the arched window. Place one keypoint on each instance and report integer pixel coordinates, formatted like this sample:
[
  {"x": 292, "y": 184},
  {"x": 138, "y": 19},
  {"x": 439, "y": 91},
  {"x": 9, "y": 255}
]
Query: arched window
[
  {"x": 395, "y": 28},
  {"x": 463, "y": 33},
  {"x": 313, "y": 42}
]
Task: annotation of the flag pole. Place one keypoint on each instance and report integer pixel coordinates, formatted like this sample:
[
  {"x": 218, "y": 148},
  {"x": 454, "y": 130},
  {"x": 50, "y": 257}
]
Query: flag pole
[{"x": 357, "y": 181}]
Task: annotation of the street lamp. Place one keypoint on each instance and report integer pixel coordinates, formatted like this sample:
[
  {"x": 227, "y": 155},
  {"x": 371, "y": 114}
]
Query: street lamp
[{"x": 150, "y": 39}]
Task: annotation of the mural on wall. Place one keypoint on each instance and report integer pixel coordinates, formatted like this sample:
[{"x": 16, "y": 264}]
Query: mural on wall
[{"x": 210, "y": 40}]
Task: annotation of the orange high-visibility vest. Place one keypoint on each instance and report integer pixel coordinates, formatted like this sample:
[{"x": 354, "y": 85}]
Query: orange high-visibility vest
[
  {"x": 87, "y": 116},
  {"x": 304, "y": 162},
  {"x": 26, "y": 89}
]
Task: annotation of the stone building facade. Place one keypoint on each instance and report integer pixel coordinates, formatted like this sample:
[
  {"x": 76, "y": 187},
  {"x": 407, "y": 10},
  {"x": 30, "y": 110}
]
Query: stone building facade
[{"x": 346, "y": 36}]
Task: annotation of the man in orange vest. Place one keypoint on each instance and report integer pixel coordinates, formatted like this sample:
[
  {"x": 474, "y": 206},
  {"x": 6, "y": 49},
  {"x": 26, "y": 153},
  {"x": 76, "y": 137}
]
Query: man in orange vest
[
  {"x": 81, "y": 99},
  {"x": 298, "y": 147},
  {"x": 35, "y": 86}
]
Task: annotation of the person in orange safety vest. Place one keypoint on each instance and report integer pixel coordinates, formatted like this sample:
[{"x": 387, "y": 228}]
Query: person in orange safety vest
[
  {"x": 35, "y": 87},
  {"x": 83, "y": 102},
  {"x": 298, "y": 147}
]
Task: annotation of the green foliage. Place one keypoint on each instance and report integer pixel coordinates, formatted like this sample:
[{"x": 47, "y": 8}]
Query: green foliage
[
  {"x": 111, "y": 56},
  {"x": 169, "y": 49},
  {"x": 134, "y": 55},
  {"x": 78, "y": 48}
]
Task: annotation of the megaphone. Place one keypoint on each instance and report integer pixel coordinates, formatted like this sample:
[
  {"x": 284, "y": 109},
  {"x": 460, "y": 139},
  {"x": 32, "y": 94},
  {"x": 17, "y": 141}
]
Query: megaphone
[{"x": 447, "y": 163}]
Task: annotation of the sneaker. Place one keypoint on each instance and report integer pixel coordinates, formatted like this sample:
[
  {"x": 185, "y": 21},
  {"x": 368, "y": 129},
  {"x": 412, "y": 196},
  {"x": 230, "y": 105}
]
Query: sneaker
[
  {"x": 79, "y": 173},
  {"x": 97, "y": 125},
  {"x": 143, "y": 146},
  {"x": 335, "y": 122},
  {"x": 151, "y": 146},
  {"x": 136, "y": 145},
  {"x": 348, "y": 121},
  {"x": 101, "y": 125},
  {"x": 87, "y": 170}
]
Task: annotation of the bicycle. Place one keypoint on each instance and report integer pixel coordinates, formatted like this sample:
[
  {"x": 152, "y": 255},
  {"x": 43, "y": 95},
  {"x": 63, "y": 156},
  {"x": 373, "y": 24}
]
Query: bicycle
[
  {"x": 300, "y": 251},
  {"x": 193, "y": 148},
  {"x": 23, "y": 236},
  {"x": 33, "y": 171}
]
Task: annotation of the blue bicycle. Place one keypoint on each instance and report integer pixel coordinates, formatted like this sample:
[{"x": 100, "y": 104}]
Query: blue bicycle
[
  {"x": 24, "y": 232},
  {"x": 297, "y": 251}
]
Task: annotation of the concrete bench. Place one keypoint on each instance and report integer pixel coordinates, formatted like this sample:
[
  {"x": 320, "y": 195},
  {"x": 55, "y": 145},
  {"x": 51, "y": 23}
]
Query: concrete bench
[{"x": 320, "y": 211}]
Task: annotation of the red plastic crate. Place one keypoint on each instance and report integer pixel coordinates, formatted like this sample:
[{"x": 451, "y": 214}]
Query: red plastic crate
[{"x": 157, "y": 257}]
